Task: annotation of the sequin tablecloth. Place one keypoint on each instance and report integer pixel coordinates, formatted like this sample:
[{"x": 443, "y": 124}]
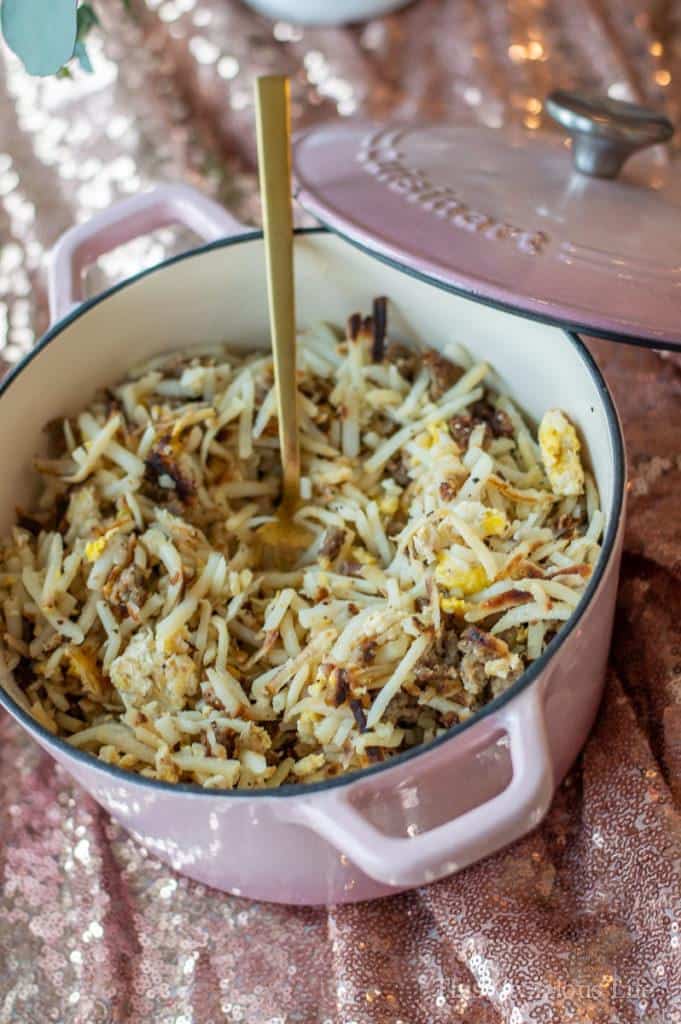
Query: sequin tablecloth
[{"x": 580, "y": 921}]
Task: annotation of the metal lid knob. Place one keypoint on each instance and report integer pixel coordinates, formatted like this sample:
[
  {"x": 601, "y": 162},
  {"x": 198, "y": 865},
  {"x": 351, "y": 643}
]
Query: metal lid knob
[{"x": 605, "y": 132}]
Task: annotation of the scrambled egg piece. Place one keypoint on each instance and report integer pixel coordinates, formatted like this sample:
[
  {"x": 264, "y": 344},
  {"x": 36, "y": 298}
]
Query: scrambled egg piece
[
  {"x": 469, "y": 580},
  {"x": 493, "y": 523},
  {"x": 430, "y": 436},
  {"x": 389, "y": 504},
  {"x": 560, "y": 449},
  {"x": 95, "y": 547},
  {"x": 83, "y": 664},
  {"x": 453, "y": 605},
  {"x": 142, "y": 674}
]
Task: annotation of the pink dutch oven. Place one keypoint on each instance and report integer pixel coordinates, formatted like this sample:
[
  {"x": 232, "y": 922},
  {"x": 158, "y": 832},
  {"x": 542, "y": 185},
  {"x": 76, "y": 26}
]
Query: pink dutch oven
[
  {"x": 428, "y": 812},
  {"x": 457, "y": 226}
]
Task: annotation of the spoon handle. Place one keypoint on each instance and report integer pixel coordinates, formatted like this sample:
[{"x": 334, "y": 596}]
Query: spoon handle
[{"x": 274, "y": 162}]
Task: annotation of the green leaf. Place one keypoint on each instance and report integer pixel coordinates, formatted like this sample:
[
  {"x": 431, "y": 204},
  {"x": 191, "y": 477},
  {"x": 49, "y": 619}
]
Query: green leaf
[
  {"x": 41, "y": 32},
  {"x": 81, "y": 55},
  {"x": 86, "y": 19}
]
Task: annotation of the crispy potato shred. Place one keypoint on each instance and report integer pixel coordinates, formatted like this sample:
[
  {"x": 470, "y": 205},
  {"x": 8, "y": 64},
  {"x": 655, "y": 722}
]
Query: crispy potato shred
[{"x": 450, "y": 542}]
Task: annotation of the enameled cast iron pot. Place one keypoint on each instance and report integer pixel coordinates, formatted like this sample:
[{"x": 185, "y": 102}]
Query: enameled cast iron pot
[{"x": 431, "y": 811}]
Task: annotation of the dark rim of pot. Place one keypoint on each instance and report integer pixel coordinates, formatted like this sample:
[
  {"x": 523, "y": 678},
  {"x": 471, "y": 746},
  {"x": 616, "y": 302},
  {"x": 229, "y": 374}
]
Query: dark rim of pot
[{"x": 349, "y": 778}]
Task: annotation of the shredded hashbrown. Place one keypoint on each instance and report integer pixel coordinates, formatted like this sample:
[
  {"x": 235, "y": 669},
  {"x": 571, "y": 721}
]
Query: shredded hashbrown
[{"x": 449, "y": 547}]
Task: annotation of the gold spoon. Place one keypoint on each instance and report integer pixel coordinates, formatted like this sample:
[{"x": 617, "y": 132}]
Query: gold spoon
[{"x": 284, "y": 537}]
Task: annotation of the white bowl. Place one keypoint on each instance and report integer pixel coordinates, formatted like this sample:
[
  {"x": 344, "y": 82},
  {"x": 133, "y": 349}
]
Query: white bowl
[{"x": 325, "y": 12}]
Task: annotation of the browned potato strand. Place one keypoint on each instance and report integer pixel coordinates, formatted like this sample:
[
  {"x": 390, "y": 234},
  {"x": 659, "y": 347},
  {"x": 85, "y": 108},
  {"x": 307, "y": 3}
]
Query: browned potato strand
[{"x": 448, "y": 547}]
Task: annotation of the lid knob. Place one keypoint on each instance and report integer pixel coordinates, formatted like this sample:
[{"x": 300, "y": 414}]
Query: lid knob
[{"x": 605, "y": 132}]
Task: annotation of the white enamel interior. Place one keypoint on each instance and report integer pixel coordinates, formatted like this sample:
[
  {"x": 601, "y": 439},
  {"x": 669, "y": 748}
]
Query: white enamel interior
[{"x": 220, "y": 296}]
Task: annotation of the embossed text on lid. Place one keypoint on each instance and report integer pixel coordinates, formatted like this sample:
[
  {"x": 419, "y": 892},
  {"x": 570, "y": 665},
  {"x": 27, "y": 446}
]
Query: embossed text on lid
[{"x": 504, "y": 216}]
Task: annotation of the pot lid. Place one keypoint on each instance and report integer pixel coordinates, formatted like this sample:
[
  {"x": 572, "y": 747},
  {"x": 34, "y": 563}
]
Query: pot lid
[{"x": 530, "y": 221}]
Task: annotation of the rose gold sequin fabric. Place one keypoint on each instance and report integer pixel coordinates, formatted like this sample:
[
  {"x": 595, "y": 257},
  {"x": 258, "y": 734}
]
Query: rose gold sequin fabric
[{"x": 581, "y": 921}]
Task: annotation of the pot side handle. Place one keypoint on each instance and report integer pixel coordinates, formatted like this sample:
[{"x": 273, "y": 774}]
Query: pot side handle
[
  {"x": 120, "y": 223},
  {"x": 411, "y": 861}
]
